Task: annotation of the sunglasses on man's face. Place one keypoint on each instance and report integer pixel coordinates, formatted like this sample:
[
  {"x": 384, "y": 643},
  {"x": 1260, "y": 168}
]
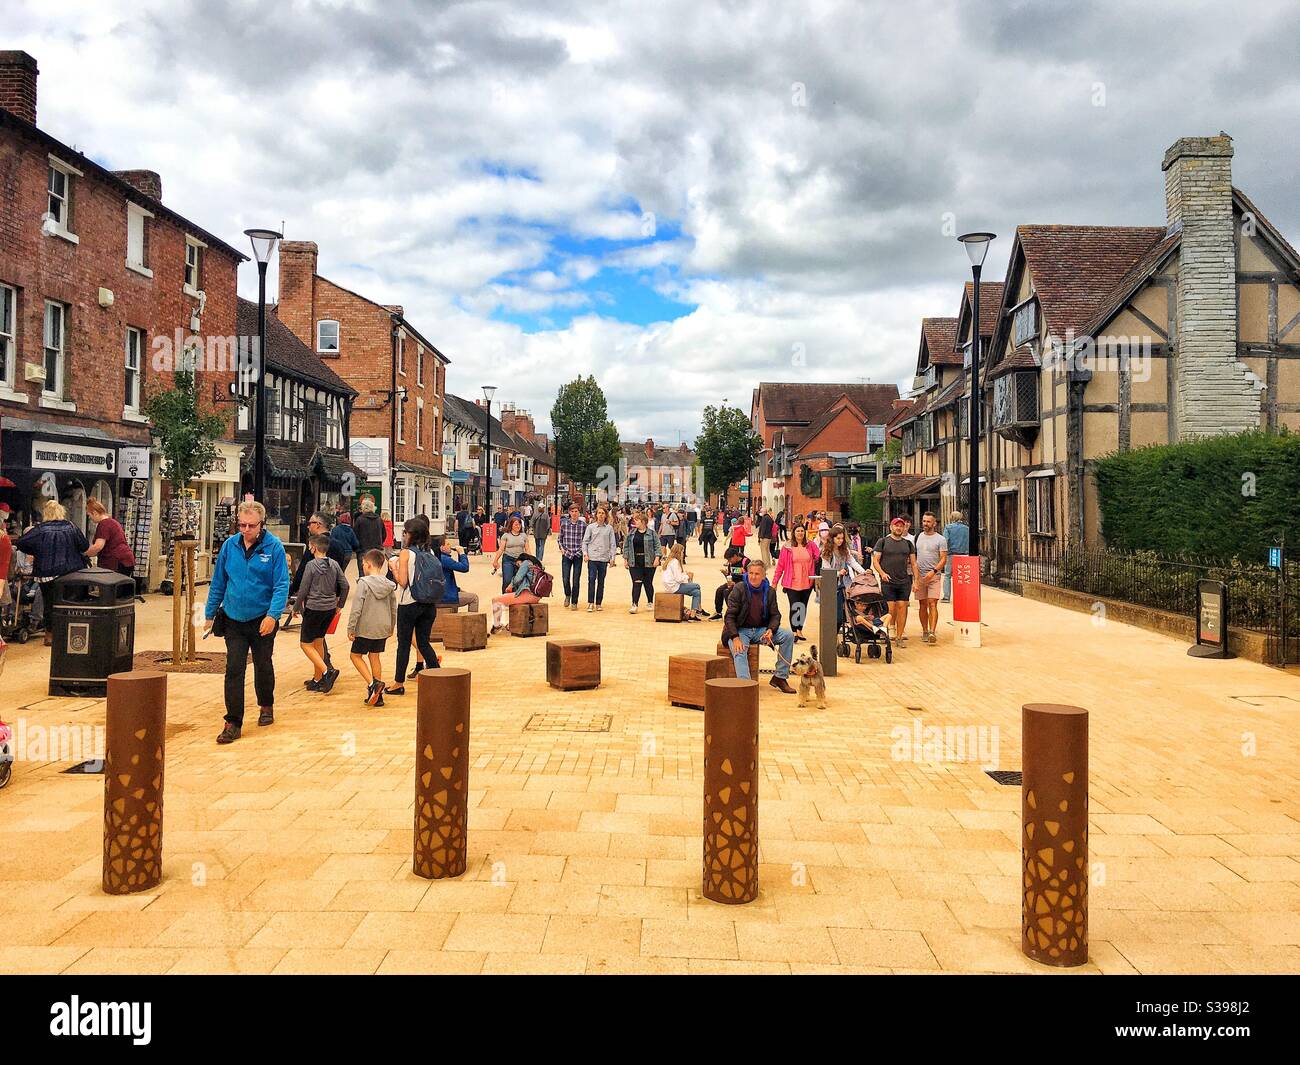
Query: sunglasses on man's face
[{"x": 250, "y": 524}]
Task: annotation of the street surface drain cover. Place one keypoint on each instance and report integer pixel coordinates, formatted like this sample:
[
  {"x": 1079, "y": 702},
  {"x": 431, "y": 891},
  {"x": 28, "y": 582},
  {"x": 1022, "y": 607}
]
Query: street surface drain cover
[
  {"x": 569, "y": 723},
  {"x": 1009, "y": 777},
  {"x": 95, "y": 765}
]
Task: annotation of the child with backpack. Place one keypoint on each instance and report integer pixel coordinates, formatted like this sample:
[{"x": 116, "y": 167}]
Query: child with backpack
[
  {"x": 321, "y": 594},
  {"x": 371, "y": 622},
  {"x": 422, "y": 585}
]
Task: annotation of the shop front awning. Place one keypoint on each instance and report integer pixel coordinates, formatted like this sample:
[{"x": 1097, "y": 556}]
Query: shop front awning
[{"x": 422, "y": 471}]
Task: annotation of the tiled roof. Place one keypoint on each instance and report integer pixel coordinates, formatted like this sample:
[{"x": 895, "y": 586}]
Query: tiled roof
[
  {"x": 904, "y": 413},
  {"x": 940, "y": 337},
  {"x": 990, "y": 303},
  {"x": 1076, "y": 267},
  {"x": 907, "y": 485},
  {"x": 943, "y": 397},
  {"x": 634, "y": 453},
  {"x": 285, "y": 353},
  {"x": 1262, "y": 223},
  {"x": 1020, "y": 359},
  {"x": 797, "y": 401},
  {"x": 470, "y": 415},
  {"x": 798, "y": 436},
  {"x": 1130, "y": 282}
]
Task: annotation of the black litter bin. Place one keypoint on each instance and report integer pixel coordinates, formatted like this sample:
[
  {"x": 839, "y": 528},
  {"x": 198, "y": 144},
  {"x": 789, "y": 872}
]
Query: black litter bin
[{"x": 92, "y": 618}]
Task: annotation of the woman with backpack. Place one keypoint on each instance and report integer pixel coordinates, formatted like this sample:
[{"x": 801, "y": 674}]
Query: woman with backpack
[{"x": 420, "y": 578}]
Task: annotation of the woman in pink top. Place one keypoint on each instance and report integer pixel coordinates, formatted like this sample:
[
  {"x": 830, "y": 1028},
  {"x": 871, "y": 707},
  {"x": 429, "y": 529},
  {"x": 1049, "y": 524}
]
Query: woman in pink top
[{"x": 795, "y": 568}]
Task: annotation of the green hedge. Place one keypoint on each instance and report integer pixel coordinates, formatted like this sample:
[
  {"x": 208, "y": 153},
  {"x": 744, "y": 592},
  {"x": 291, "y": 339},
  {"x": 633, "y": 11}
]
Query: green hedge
[
  {"x": 865, "y": 504},
  {"x": 1217, "y": 497}
]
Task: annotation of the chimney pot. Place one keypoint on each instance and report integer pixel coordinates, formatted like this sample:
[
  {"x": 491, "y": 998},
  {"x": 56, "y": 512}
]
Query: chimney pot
[
  {"x": 147, "y": 181},
  {"x": 18, "y": 73}
]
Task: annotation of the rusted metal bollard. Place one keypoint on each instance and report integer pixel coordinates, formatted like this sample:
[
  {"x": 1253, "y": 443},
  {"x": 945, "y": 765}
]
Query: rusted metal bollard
[
  {"x": 441, "y": 773},
  {"x": 135, "y": 728},
  {"x": 1054, "y": 841},
  {"x": 730, "y": 790}
]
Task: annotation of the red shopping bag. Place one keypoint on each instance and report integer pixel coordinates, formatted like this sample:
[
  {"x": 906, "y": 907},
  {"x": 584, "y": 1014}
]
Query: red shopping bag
[{"x": 334, "y": 624}]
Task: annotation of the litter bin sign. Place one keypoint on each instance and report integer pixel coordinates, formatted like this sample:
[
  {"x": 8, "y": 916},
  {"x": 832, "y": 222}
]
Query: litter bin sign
[{"x": 92, "y": 619}]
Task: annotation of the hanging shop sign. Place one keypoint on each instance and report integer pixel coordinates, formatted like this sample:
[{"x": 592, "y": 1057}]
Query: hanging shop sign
[
  {"x": 74, "y": 458},
  {"x": 133, "y": 461}
]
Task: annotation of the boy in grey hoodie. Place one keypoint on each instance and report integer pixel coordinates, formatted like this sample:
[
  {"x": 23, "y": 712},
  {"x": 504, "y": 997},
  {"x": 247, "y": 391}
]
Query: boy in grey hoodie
[
  {"x": 371, "y": 622},
  {"x": 321, "y": 595}
]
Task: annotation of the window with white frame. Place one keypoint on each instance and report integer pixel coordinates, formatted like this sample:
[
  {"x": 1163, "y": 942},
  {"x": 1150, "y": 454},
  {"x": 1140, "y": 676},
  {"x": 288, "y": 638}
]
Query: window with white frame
[
  {"x": 193, "y": 265},
  {"x": 244, "y": 417},
  {"x": 8, "y": 337},
  {"x": 401, "y": 354},
  {"x": 419, "y": 424},
  {"x": 56, "y": 327},
  {"x": 60, "y": 198},
  {"x": 1040, "y": 505},
  {"x": 327, "y": 336},
  {"x": 400, "y": 400},
  {"x": 134, "y": 369},
  {"x": 399, "y": 501},
  {"x": 137, "y": 242},
  {"x": 419, "y": 365}
]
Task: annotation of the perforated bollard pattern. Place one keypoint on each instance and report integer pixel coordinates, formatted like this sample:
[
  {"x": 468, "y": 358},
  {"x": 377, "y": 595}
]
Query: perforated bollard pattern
[
  {"x": 136, "y": 723},
  {"x": 730, "y": 790},
  {"x": 1054, "y": 840},
  {"x": 441, "y": 774}
]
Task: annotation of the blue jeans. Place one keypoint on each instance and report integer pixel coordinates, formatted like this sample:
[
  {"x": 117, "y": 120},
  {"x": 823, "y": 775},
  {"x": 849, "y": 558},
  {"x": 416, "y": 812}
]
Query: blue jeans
[
  {"x": 572, "y": 571},
  {"x": 508, "y": 567},
  {"x": 540, "y": 550},
  {"x": 784, "y": 640},
  {"x": 596, "y": 581},
  {"x": 693, "y": 590},
  {"x": 947, "y": 580}
]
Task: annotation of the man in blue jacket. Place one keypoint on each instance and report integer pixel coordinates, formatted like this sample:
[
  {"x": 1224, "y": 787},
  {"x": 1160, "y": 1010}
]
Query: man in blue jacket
[
  {"x": 250, "y": 586},
  {"x": 957, "y": 533}
]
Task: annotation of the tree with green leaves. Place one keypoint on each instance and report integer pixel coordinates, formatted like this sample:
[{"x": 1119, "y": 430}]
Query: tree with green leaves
[
  {"x": 186, "y": 433},
  {"x": 727, "y": 447},
  {"x": 585, "y": 439}
]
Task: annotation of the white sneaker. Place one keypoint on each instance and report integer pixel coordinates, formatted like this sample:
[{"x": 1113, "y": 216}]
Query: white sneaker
[
  {"x": 600, "y": 606},
  {"x": 590, "y": 607},
  {"x": 633, "y": 610}
]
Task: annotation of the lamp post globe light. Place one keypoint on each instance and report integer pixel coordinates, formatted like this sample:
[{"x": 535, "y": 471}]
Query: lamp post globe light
[
  {"x": 264, "y": 242},
  {"x": 966, "y": 615},
  {"x": 488, "y": 392}
]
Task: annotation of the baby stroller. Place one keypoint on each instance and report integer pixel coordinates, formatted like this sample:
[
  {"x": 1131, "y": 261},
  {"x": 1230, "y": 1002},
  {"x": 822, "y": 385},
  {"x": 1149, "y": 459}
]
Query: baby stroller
[
  {"x": 865, "y": 611},
  {"x": 16, "y": 615},
  {"x": 471, "y": 539}
]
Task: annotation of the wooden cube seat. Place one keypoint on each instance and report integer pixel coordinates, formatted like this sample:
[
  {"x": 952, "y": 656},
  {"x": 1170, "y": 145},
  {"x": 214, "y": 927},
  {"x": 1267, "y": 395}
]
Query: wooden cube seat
[
  {"x": 725, "y": 652},
  {"x": 529, "y": 619},
  {"x": 687, "y": 674},
  {"x": 573, "y": 664},
  {"x": 465, "y": 632},
  {"x": 670, "y": 606}
]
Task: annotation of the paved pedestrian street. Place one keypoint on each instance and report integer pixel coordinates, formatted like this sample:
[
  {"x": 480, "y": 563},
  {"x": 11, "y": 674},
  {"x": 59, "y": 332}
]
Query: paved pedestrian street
[{"x": 290, "y": 851}]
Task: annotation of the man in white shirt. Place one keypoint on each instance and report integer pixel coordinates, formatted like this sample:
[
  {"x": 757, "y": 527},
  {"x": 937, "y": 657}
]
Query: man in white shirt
[{"x": 931, "y": 554}]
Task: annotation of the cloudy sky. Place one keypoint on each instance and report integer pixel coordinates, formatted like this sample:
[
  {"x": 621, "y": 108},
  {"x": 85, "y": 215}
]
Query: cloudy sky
[{"x": 682, "y": 198}]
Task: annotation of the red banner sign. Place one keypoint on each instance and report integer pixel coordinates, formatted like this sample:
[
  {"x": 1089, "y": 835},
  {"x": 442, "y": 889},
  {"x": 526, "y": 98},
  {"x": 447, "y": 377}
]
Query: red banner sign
[{"x": 965, "y": 588}]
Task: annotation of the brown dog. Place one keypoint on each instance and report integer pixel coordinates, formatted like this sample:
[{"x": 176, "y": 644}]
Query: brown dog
[{"x": 809, "y": 671}]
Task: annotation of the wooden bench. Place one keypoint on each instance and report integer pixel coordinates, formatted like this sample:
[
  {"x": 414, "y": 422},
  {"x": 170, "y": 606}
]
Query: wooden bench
[
  {"x": 670, "y": 606},
  {"x": 529, "y": 619},
  {"x": 465, "y": 632},
  {"x": 573, "y": 664},
  {"x": 687, "y": 674},
  {"x": 725, "y": 652}
]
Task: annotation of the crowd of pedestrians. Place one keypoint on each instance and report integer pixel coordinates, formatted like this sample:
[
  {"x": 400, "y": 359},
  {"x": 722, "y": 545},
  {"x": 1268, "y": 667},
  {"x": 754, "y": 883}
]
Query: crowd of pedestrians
[{"x": 400, "y": 596}]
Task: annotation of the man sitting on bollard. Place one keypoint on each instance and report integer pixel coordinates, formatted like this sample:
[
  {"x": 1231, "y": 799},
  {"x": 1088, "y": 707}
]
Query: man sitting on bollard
[{"x": 753, "y": 615}]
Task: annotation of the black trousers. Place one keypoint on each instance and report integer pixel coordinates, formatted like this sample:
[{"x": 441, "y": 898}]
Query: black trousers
[
  {"x": 241, "y": 638},
  {"x": 708, "y": 540},
  {"x": 798, "y": 607},
  {"x": 415, "y": 619},
  {"x": 720, "y": 597},
  {"x": 642, "y": 575}
]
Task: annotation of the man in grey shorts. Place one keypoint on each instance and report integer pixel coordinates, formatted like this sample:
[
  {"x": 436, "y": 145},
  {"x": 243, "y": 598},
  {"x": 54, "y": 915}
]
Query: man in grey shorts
[{"x": 931, "y": 553}]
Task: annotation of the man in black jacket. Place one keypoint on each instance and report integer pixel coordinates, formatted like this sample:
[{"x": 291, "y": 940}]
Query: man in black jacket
[
  {"x": 753, "y": 615},
  {"x": 369, "y": 528},
  {"x": 766, "y": 526}
]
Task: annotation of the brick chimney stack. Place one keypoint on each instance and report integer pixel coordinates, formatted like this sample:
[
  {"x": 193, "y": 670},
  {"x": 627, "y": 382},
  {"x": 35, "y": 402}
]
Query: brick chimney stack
[
  {"x": 1215, "y": 392},
  {"x": 18, "y": 75},
  {"x": 650, "y": 449},
  {"x": 297, "y": 299},
  {"x": 147, "y": 181}
]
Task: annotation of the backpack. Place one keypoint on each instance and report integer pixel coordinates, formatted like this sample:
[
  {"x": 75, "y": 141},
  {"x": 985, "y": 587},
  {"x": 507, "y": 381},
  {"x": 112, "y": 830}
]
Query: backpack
[
  {"x": 428, "y": 583},
  {"x": 541, "y": 583}
]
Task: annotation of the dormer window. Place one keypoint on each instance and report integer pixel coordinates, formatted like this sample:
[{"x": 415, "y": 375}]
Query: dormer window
[
  {"x": 1025, "y": 322},
  {"x": 327, "y": 337}
]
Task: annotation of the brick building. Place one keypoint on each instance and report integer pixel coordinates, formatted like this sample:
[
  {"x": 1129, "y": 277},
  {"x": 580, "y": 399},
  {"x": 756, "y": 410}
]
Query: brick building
[
  {"x": 399, "y": 375},
  {"x": 103, "y": 290},
  {"x": 657, "y": 474},
  {"x": 812, "y": 433},
  {"x": 532, "y": 469}
]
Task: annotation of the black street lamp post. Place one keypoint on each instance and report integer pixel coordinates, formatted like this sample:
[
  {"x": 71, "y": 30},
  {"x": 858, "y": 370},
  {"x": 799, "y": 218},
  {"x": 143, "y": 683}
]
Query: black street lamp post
[
  {"x": 488, "y": 392},
  {"x": 977, "y": 246},
  {"x": 264, "y": 242}
]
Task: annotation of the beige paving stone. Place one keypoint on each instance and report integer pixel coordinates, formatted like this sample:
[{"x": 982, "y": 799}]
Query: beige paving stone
[
  {"x": 466, "y": 896},
  {"x": 877, "y": 947},
  {"x": 226, "y": 961},
  {"x": 584, "y": 869},
  {"x": 563, "y": 898},
  {"x": 634, "y": 965},
  {"x": 307, "y": 961},
  {"x": 272, "y": 895},
  {"x": 38, "y": 960},
  {"x": 723, "y": 967},
  {"x": 306, "y": 929},
  {"x": 363, "y": 895},
  {"x": 208, "y": 928},
  {"x": 666, "y": 938},
  {"x": 567, "y": 844},
  {"x": 401, "y": 931},
  {"x": 508, "y": 964},
  {"x": 115, "y": 961},
  {"x": 517, "y": 866},
  {"x": 594, "y": 935},
  {"x": 629, "y": 900},
  {"x": 429, "y": 963},
  {"x": 501, "y": 933},
  {"x": 779, "y": 942}
]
